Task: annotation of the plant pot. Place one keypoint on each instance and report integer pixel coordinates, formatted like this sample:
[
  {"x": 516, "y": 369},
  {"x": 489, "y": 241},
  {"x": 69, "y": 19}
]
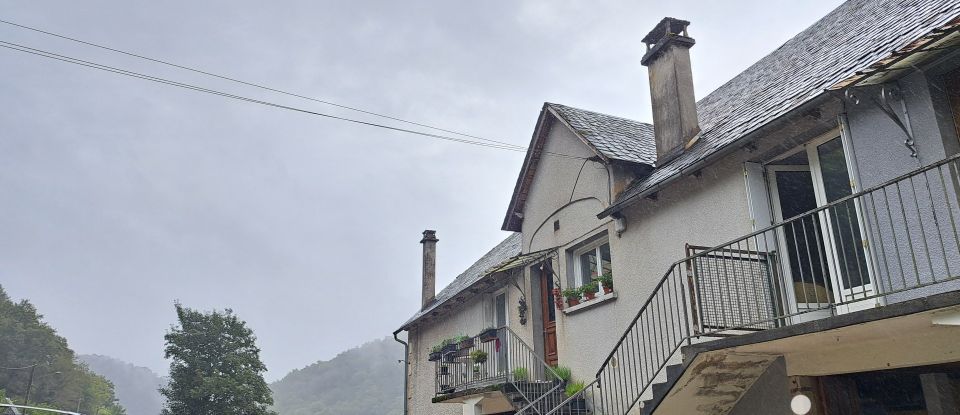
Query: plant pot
[
  {"x": 448, "y": 348},
  {"x": 589, "y": 296},
  {"x": 466, "y": 344},
  {"x": 434, "y": 356},
  {"x": 488, "y": 335},
  {"x": 572, "y": 302},
  {"x": 607, "y": 290},
  {"x": 578, "y": 404}
]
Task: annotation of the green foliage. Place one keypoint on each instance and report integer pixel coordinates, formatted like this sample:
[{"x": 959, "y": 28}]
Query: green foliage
[
  {"x": 460, "y": 338},
  {"x": 215, "y": 368},
  {"x": 562, "y": 373},
  {"x": 478, "y": 356},
  {"x": 521, "y": 374},
  {"x": 590, "y": 288},
  {"x": 606, "y": 280},
  {"x": 571, "y": 293},
  {"x": 60, "y": 381},
  {"x": 573, "y": 388},
  {"x": 362, "y": 381}
]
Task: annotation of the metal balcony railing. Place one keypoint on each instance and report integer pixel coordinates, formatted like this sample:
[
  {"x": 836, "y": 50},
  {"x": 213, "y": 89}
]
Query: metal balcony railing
[
  {"x": 504, "y": 361},
  {"x": 889, "y": 243}
]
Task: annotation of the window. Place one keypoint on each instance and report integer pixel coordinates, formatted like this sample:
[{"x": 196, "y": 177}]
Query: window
[{"x": 591, "y": 261}]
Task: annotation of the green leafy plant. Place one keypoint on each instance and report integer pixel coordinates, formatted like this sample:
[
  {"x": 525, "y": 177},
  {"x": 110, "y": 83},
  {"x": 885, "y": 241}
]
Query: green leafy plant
[
  {"x": 573, "y": 388},
  {"x": 437, "y": 348},
  {"x": 459, "y": 338},
  {"x": 606, "y": 280},
  {"x": 562, "y": 373},
  {"x": 521, "y": 373},
  {"x": 478, "y": 356},
  {"x": 590, "y": 288},
  {"x": 571, "y": 293}
]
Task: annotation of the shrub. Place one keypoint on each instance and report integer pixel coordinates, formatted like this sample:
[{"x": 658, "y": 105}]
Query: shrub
[
  {"x": 573, "y": 388},
  {"x": 521, "y": 373},
  {"x": 606, "y": 280},
  {"x": 562, "y": 373}
]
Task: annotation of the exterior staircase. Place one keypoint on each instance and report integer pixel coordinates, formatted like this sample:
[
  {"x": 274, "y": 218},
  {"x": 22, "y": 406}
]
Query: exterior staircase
[
  {"x": 660, "y": 390},
  {"x": 547, "y": 394}
]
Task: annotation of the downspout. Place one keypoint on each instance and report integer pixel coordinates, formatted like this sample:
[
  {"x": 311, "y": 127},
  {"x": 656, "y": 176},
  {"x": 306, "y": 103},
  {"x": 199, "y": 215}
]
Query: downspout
[{"x": 406, "y": 368}]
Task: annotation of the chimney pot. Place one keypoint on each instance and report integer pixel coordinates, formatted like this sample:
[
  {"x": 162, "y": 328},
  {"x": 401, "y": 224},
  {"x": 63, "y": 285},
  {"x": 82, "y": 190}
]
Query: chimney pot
[
  {"x": 675, "y": 123},
  {"x": 429, "y": 242}
]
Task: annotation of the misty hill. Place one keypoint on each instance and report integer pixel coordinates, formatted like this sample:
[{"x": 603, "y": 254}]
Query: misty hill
[
  {"x": 360, "y": 381},
  {"x": 136, "y": 387}
]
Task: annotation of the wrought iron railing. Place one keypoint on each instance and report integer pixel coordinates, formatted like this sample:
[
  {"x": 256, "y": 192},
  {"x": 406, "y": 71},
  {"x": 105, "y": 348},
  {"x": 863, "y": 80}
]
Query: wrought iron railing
[
  {"x": 888, "y": 243},
  {"x": 499, "y": 359}
]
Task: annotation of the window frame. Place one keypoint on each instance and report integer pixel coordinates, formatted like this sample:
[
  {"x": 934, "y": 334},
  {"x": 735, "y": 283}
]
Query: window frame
[{"x": 578, "y": 277}]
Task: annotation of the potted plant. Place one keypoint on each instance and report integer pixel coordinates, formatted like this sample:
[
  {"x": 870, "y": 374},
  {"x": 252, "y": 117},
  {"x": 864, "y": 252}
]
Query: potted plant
[
  {"x": 560, "y": 374},
  {"x": 488, "y": 334},
  {"x": 463, "y": 342},
  {"x": 590, "y": 290},
  {"x": 572, "y": 295},
  {"x": 573, "y": 388},
  {"x": 478, "y": 356},
  {"x": 448, "y": 349},
  {"x": 435, "y": 353},
  {"x": 606, "y": 280}
]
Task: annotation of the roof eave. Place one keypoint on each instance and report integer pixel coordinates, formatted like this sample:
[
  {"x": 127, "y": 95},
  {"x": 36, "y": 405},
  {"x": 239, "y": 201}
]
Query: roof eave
[{"x": 815, "y": 101}]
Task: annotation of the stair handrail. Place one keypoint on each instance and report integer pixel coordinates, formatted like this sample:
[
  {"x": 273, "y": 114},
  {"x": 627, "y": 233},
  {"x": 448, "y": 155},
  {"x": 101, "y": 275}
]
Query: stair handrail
[{"x": 548, "y": 370}]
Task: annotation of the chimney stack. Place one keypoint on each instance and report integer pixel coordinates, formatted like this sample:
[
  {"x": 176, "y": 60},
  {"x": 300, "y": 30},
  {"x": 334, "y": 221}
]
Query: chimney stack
[
  {"x": 429, "y": 242},
  {"x": 675, "y": 123}
]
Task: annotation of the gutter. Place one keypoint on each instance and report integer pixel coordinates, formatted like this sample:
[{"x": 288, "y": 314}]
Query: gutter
[
  {"x": 406, "y": 368},
  {"x": 724, "y": 151}
]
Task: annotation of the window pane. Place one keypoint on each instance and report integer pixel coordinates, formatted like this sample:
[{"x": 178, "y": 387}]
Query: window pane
[
  {"x": 588, "y": 266},
  {"x": 844, "y": 220},
  {"x": 605, "y": 264}
]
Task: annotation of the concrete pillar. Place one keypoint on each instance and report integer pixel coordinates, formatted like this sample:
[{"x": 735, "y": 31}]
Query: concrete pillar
[
  {"x": 939, "y": 394},
  {"x": 472, "y": 406}
]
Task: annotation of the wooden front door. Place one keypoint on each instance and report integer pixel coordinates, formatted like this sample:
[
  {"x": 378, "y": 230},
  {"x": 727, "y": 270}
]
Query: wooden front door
[{"x": 549, "y": 315}]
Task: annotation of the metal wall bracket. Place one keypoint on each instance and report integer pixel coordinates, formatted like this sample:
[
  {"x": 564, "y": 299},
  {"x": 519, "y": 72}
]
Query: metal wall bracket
[{"x": 889, "y": 93}]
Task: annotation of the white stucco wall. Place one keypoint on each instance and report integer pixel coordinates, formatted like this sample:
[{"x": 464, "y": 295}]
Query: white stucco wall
[{"x": 702, "y": 211}]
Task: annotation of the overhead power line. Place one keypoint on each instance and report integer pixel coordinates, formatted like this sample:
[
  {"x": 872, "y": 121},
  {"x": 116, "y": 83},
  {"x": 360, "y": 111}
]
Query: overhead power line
[
  {"x": 111, "y": 69},
  {"x": 256, "y": 85}
]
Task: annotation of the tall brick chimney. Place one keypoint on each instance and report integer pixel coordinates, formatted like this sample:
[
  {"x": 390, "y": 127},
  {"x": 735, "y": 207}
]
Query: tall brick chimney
[
  {"x": 429, "y": 242},
  {"x": 675, "y": 123}
]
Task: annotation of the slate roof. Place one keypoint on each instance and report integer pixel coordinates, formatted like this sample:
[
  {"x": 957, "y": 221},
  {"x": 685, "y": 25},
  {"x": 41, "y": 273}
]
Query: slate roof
[
  {"x": 848, "y": 39},
  {"x": 504, "y": 251},
  {"x": 615, "y": 137}
]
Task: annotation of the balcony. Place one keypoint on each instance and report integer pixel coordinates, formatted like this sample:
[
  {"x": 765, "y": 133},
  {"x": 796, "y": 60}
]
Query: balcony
[
  {"x": 505, "y": 374},
  {"x": 891, "y": 243}
]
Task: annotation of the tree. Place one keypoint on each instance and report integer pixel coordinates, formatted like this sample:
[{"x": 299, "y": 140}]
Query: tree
[
  {"x": 58, "y": 381},
  {"x": 215, "y": 368}
]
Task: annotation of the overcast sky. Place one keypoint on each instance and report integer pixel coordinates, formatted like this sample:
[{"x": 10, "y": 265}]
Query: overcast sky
[{"x": 119, "y": 196}]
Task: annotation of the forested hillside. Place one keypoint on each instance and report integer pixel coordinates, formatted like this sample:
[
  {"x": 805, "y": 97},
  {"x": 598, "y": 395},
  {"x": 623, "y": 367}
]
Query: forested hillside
[
  {"x": 137, "y": 387},
  {"x": 60, "y": 381},
  {"x": 361, "y": 381}
]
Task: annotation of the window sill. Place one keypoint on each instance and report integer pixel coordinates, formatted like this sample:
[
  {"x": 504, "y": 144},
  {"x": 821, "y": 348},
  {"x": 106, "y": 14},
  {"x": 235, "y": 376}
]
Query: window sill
[{"x": 601, "y": 299}]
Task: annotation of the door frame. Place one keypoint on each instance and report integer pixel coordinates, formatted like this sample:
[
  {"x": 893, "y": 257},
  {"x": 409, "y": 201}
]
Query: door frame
[
  {"x": 795, "y": 306},
  {"x": 840, "y": 292},
  {"x": 545, "y": 276}
]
